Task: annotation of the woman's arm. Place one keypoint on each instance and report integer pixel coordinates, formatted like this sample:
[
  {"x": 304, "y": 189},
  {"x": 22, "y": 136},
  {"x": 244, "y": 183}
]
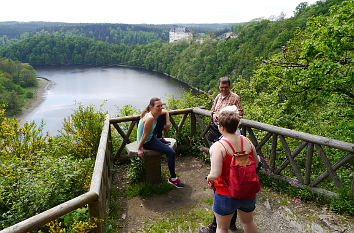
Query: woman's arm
[
  {"x": 167, "y": 125},
  {"x": 214, "y": 116},
  {"x": 217, "y": 160},
  {"x": 255, "y": 156},
  {"x": 147, "y": 125}
]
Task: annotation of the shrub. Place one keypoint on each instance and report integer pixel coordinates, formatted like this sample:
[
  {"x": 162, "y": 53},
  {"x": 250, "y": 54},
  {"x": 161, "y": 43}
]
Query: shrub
[{"x": 81, "y": 132}]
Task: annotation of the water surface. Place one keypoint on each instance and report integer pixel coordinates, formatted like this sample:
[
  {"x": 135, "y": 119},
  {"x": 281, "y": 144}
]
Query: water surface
[{"x": 114, "y": 86}]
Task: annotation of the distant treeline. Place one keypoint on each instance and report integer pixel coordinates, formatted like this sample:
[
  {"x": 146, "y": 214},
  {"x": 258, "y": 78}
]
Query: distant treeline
[
  {"x": 128, "y": 34},
  {"x": 198, "y": 64}
]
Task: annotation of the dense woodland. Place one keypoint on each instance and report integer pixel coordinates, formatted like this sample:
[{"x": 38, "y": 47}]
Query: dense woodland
[
  {"x": 295, "y": 73},
  {"x": 128, "y": 34},
  {"x": 16, "y": 83}
]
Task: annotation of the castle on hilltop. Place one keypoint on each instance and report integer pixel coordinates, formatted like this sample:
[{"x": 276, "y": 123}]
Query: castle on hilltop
[{"x": 180, "y": 33}]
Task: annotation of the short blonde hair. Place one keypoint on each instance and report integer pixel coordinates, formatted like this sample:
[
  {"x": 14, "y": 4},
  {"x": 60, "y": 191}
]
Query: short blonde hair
[{"x": 229, "y": 120}]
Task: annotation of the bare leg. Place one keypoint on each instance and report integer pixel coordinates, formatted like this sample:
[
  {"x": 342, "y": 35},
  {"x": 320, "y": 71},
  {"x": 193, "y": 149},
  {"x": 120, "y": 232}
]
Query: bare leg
[
  {"x": 223, "y": 223},
  {"x": 247, "y": 221}
]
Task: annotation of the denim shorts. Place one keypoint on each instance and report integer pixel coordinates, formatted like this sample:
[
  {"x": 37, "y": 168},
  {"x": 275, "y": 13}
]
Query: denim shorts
[{"x": 224, "y": 205}]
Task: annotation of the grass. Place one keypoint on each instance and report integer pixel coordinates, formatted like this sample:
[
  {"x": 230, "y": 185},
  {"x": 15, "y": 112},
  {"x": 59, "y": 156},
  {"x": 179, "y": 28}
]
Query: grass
[
  {"x": 182, "y": 219},
  {"x": 145, "y": 190},
  {"x": 114, "y": 220}
]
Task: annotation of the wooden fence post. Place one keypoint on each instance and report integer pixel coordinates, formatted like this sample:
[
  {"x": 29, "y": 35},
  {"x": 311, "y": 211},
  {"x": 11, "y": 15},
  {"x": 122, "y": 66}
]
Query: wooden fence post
[{"x": 193, "y": 124}]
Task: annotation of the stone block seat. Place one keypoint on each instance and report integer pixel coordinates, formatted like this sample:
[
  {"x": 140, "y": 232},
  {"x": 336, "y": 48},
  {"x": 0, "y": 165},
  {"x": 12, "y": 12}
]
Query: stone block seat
[{"x": 151, "y": 160}]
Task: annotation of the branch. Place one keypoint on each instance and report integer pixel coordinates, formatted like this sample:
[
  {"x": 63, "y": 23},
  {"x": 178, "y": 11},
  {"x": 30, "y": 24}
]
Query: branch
[{"x": 286, "y": 64}]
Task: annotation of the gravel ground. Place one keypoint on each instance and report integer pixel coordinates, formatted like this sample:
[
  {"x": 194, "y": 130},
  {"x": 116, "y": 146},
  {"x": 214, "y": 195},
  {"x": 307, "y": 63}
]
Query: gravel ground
[{"x": 274, "y": 212}]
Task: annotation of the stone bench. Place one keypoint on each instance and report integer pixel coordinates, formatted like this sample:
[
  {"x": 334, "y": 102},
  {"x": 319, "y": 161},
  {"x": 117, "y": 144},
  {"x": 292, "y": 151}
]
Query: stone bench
[{"x": 151, "y": 160}]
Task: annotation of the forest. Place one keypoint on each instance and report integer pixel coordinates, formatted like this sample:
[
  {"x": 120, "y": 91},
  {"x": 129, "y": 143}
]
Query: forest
[
  {"x": 17, "y": 81},
  {"x": 294, "y": 73},
  {"x": 128, "y": 34}
]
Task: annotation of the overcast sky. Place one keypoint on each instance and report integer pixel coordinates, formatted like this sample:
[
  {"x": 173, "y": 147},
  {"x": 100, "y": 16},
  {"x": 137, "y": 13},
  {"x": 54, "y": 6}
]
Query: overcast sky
[{"x": 145, "y": 11}]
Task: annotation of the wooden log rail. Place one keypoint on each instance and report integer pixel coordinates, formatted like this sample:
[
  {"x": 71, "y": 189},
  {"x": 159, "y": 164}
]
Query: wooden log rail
[
  {"x": 308, "y": 140},
  {"x": 97, "y": 197},
  {"x": 134, "y": 120}
]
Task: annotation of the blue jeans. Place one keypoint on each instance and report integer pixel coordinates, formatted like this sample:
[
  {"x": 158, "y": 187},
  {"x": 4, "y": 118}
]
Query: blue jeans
[{"x": 156, "y": 144}]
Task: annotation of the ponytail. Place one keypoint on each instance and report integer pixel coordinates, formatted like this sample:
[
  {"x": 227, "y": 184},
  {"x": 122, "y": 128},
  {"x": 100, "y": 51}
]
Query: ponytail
[{"x": 147, "y": 109}]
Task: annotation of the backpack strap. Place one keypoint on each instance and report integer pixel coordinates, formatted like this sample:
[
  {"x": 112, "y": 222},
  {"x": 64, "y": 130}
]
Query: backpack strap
[
  {"x": 248, "y": 141},
  {"x": 225, "y": 140},
  {"x": 223, "y": 146},
  {"x": 233, "y": 150}
]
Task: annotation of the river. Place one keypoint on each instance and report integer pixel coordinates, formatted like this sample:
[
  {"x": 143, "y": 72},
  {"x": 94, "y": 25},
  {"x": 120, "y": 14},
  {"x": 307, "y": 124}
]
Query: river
[{"x": 113, "y": 86}]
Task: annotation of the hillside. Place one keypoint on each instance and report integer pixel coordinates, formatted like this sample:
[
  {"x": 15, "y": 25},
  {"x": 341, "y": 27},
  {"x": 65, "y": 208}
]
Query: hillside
[{"x": 128, "y": 34}]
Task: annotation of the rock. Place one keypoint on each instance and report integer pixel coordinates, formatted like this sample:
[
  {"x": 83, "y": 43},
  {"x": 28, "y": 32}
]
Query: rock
[
  {"x": 317, "y": 228},
  {"x": 267, "y": 205}
]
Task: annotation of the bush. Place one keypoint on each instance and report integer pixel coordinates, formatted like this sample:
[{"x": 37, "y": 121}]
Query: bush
[
  {"x": 29, "y": 94},
  {"x": 37, "y": 171},
  {"x": 81, "y": 133}
]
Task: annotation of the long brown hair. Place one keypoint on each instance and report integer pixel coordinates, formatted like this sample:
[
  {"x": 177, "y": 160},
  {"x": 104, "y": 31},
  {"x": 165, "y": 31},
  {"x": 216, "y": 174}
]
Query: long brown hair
[{"x": 152, "y": 104}]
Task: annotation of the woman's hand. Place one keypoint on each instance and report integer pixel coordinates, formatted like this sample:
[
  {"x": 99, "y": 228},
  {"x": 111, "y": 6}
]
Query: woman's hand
[
  {"x": 215, "y": 118},
  {"x": 210, "y": 184},
  {"x": 140, "y": 153},
  {"x": 167, "y": 127}
]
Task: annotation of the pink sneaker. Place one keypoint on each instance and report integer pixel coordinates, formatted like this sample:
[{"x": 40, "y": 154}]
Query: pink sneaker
[
  {"x": 164, "y": 141},
  {"x": 177, "y": 183}
]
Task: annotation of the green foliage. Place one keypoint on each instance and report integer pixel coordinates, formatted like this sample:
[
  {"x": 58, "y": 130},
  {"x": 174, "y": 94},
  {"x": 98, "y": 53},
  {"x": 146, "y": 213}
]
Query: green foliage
[
  {"x": 81, "y": 133},
  {"x": 39, "y": 172},
  {"x": 344, "y": 204},
  {"x": 145, "y": 190},
  {"x": 137, "y": 186},
  {"x": 135, "y": 170},
  {"x": 308, "y": 86},
  {"x": 114, "y": 220},
  {"x": 187, "y": 144},
  {"x": 78, "y": 214},
  {"x": 184, "y": 220},
  {"x": 15, "y": 80}
]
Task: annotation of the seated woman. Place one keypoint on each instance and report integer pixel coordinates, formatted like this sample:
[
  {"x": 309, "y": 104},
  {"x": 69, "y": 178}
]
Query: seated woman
[
  {"x": 146, "y": 136},
  {"x": 221, "y": 153}
]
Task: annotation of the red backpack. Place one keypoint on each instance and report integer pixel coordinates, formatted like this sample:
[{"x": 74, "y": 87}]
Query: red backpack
[{"x": 243, "y": 180}]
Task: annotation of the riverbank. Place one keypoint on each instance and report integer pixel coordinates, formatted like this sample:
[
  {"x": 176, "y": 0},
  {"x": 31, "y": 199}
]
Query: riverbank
[
  {"x": 166, "y": 74},
  {"x": 38, "y": 97}
]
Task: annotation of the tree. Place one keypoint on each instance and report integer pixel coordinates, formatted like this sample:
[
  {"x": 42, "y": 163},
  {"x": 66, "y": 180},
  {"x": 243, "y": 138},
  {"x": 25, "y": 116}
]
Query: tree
[
  {"x": 300, "y": 8},
  {"x": 309, "y": 85}
]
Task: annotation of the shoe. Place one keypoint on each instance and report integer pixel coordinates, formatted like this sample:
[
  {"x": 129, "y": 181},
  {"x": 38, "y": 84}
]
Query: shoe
[
  {"x": 164, "y": 141},
  {"x": 205, "y": 149},
  {"x": 233, "y": 228},
  {"x": 177, "y": 183},
  {"x": 207, "y": 229}
]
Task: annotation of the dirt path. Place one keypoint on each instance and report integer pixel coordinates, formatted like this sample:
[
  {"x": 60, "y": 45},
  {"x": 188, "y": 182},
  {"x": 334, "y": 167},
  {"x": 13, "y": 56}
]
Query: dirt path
[{"x": 274, "y": 213}]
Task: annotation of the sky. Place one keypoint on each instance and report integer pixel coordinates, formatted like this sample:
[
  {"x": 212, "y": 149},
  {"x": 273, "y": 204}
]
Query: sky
[{"x": 146, "y": 11}]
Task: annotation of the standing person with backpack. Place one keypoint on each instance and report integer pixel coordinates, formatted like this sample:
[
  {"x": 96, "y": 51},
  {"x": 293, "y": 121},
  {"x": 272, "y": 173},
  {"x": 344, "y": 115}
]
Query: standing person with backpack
[
  {"x": 233, "y": 175},
  {"x": 226, "y": 98}
]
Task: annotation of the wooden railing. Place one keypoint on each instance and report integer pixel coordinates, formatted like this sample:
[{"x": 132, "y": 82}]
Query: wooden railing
[
  {"x": 97, "y": 197},
  {"x": 307, "y": 140},
  {"x": 269, "y": 160}
]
